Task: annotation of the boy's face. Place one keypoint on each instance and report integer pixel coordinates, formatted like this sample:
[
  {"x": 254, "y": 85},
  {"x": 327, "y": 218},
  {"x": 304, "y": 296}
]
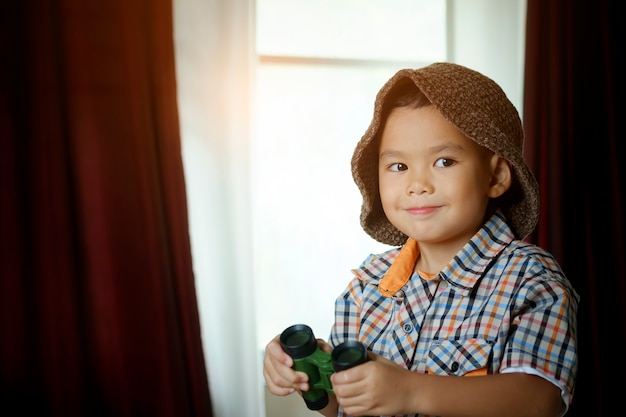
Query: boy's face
[{"x": 434, "y": 182}]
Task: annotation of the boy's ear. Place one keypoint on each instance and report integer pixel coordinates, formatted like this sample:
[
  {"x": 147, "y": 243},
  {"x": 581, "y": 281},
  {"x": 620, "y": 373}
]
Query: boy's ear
[{"x": 501, "y": 176}]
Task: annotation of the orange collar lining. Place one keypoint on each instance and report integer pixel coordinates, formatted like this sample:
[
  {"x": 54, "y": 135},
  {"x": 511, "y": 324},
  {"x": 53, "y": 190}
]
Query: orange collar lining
[{"x": 400, "y": 270}]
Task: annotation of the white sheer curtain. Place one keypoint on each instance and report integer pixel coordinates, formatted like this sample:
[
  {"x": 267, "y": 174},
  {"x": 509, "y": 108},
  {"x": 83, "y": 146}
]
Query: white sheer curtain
[{"x": 215, "y": 57}]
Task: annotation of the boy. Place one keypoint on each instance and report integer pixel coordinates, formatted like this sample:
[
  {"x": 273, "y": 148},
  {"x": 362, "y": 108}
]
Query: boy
[{"x": 463, "y": 318}]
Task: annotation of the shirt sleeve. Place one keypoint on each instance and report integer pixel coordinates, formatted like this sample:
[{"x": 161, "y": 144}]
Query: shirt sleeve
[
  {"x": 543, "y": 332},
  {"x": 347, "y": 313}
]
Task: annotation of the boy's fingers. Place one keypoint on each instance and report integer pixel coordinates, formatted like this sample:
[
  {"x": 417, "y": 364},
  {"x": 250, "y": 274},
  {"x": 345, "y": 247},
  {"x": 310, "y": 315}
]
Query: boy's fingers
[
  {"x": 325, "y": 347},
  {"x": 274, "y": 349}
]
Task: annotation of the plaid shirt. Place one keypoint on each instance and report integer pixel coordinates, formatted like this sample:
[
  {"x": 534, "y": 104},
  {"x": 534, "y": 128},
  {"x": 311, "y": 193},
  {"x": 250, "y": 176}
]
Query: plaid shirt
[{"x": 501, "y": 305}]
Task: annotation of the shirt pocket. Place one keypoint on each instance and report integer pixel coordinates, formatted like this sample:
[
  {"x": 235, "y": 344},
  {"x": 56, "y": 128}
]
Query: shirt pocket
[{"x": 459, "y": 357}]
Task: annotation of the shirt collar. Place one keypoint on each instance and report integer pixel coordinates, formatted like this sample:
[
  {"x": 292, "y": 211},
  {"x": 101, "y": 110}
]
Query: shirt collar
[
  {"x": 470, "y": 263},
  {"x": 392, "y": 269}
]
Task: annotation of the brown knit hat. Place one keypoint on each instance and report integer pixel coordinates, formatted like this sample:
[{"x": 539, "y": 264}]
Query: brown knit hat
[{"x": 478, "y": 107}]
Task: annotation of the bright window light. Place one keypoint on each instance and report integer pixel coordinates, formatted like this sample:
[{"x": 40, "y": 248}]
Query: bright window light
[
  {"x": 321, "y": 64},
  {"x": 399, "y": 30}
]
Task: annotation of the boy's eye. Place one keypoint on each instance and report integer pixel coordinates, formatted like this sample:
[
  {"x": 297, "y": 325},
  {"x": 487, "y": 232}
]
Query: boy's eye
[
  {"x": 398, "y": 166},
  {"x": 444, "y": 162}
]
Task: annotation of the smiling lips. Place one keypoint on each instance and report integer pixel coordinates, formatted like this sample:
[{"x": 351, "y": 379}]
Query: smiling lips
[{"x": 421, "y": 211}]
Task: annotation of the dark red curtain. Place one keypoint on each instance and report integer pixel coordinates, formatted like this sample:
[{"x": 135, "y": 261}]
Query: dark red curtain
[
  {"x": 98, "y": 313},
  {"x": 576, "y": 145}
]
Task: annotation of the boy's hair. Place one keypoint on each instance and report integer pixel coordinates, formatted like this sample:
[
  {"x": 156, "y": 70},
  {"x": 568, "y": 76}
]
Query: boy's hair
[
  {"x": 404, "y": 94},
  {"x": 475, "y": 105}
]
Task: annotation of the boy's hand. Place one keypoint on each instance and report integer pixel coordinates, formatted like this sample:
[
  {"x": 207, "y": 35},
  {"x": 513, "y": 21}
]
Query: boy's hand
[
  {"x": 325, "y": 347},
  {"x": 280, "y": 378},
  {"x": 372, "y": 388}
]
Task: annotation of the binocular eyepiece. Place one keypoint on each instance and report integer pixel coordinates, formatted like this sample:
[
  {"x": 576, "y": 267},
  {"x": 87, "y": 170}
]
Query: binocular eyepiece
[{"x": 299, "y": 342}]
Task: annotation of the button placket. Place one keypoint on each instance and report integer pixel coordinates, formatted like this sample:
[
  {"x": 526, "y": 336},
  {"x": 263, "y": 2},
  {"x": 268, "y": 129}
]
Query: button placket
[{"x": 404, "y": 318}]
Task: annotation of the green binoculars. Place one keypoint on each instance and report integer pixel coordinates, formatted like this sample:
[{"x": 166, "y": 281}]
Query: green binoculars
[{"x": 299, "y": 342}]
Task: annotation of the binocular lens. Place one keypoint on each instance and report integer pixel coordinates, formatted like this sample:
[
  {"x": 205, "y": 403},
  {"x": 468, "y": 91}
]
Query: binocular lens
[
  {"x": 347, "y": 355},
  {"x": 298, "y": 341}
]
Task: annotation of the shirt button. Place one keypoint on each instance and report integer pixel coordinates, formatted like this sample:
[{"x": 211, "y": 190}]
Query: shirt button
[
  {"x": 455, "y": 366},
  {"x": 407, "y": 327}
]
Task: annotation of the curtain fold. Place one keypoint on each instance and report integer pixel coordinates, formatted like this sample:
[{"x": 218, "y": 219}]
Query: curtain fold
[
  {"x": 98, "y": 313},
  {"x": 575, "y": 147}
]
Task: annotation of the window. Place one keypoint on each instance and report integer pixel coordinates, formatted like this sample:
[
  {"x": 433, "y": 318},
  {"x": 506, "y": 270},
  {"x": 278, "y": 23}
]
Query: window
[{"x": 321, "y": 64}]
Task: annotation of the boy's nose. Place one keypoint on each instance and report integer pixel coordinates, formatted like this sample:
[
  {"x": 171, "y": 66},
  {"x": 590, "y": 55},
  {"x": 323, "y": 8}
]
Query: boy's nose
[{"x": 418, "y": 182}]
